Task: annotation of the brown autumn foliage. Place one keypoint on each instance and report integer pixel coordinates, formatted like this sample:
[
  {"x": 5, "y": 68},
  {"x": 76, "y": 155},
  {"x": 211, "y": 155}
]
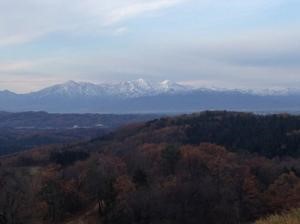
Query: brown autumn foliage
[{"x": 147, "y": 174}]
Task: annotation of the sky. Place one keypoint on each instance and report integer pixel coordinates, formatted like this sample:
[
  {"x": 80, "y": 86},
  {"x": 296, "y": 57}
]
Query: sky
[{"x": 212, "y": 43}]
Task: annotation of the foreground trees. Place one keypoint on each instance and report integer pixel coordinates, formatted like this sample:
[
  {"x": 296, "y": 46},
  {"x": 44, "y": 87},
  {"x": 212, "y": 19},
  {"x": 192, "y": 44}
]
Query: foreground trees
[
  {"x": 193, "y": 183},
  {"x": 154, "y": 183},
  {"x": 13, "y": 196},
  {"x": 157, "y": 173}
]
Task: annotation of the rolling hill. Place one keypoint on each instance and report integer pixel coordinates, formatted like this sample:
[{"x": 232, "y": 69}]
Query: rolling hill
[{"x": 210, "y": 167}]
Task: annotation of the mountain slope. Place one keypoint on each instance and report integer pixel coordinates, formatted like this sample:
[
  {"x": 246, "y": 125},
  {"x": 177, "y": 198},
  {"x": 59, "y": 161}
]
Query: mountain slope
[
  {"x": 127, "y": 89},
  {"x": 70, "y": 89},
  {"x": 140, "y": 96}
]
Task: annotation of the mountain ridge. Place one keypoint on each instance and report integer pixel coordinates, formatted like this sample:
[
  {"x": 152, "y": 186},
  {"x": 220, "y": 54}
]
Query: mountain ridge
[
  {"x": 140, "y": 96},
  {"x": 141, "y": 87},
  {"x": 125, "y": 89}
]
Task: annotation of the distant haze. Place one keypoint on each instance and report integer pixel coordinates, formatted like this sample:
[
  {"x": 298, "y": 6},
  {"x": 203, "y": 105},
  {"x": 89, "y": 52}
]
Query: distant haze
[{"x": 224, "y": 43}]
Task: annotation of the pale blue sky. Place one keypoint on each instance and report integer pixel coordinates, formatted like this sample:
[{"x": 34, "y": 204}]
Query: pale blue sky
[{"x": 224, "y": 43}]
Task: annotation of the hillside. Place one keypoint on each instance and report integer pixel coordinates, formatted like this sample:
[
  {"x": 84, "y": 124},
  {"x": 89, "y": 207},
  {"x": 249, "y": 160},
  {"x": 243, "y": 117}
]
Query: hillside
[
  {"x": 267, "y": 135},
  {"x": 212, "y": 168}
]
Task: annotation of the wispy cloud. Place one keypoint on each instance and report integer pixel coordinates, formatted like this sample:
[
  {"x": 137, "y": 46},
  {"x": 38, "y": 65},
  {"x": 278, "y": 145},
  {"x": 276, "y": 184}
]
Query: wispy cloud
[
  {"x": 15, "y": 66},
  {"x": 229, "y": 42},
  {"x": 137, "y": 8},
  {"x": 19, "y": 38},
  {"x": 257, "y": 60},
  {"x": 22, "y": 22}
]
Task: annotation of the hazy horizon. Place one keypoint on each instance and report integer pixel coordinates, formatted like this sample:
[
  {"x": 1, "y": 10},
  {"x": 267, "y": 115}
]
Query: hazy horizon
[
  {"x": 229, "y": 44},
  {"x": 191, "y": 85}
]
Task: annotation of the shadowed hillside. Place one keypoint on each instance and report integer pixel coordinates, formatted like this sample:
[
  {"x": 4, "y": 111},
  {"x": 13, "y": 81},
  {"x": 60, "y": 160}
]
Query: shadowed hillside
[{"x": 212, "y": 168}]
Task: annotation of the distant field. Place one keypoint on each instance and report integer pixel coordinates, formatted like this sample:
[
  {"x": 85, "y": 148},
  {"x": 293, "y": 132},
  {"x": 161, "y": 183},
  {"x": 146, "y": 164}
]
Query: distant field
[
  {"x": 21, "y": 131},
  {"x": 43, "y": 120}
]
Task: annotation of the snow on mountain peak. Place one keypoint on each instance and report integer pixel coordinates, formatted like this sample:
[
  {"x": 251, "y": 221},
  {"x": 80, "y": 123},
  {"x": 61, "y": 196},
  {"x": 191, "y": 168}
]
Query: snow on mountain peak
[
  {"x": 129, "y": 89},
  {"x": 166, "y": 82},
  {"x": 70, "y": 89},
  {"x": 141, "y": 81},
  {"x": 70, "y": 83},
  {"x": 169, "y": 86},
  {"x": 141, "y": 87}
]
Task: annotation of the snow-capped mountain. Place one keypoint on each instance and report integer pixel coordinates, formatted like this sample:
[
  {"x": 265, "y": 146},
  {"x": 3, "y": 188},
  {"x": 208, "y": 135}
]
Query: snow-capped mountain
[
  {"x": 7, "y": 93},
  {"x": 141, "y": 96},
  {"x": 128, "y": 89},
  {"x": 70, "y": 89},
  {"x": 140, "y": 87}
]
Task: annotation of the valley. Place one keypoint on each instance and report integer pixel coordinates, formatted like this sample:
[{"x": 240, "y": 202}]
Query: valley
[{"x": 26, "y": 130}]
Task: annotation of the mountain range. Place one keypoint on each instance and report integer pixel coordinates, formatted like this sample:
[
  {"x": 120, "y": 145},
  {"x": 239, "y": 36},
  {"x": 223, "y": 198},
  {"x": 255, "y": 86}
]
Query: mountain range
[{"x": 141, "y": 96}]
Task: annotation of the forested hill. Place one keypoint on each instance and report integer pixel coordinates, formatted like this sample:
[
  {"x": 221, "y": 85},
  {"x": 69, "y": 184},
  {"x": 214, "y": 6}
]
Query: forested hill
[
  {"x": 267, "y": 135},
  {"x": 212, "y": 168}
]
